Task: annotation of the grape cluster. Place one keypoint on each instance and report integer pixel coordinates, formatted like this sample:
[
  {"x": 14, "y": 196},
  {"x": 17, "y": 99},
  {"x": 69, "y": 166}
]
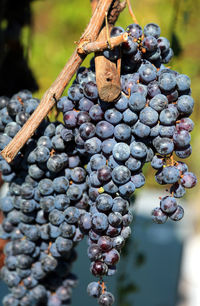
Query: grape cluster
[
  {"x": 46, "y": 197},
  {"x": 77, "y": 178},
  {"x": 148, "y": 123}
]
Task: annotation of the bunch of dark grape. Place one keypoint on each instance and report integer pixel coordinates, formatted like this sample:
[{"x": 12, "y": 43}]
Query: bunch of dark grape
[
  {"x": 47, "y": 195},
  {"x": 77, "y": 179},
  {"x": 149, "y": 123}
]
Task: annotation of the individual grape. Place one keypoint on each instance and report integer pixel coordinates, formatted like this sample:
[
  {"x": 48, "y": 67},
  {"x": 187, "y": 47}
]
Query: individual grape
[
  {"x": 168, "y": 204},
  {"x": 75, "y": 92},
  {"x": 96, "y": 113},
  {"x": 134, "y": 30},
  {"x": 133, "y": 164},
  {"x": 138, "y": 180},
  {"x": 64, "y": 104},
  {"x": 70, "y": 119},
  {"x": 178, "y": 190},
  {"x": 115, "y": 219},
  {"x": 167, "y": 81},
  {"x": 122, "y": 132},
  {"x": 188, "y": 180},
  {"x": 171, "y": 174},
  {"x": 158, "y": 102},
  {"x": 94, "y": 252},
  {"x": 94, "y": 289},
  {"x": 120, "y": 205},
  {"x": 185, "y": 124},
  {"x": 106, "y": 299},
  {"x": 148, "y": 116},
  {"x": 122, "y": 103},
  {"x": 63, "y": 244},
  {"x": 147, "y": 73},
  {"x": 137, "y": 102},
  {"x": 129, "y": 117},
  {"x": 111, "y": 257},
  {"x": 99, "y": 222},
  {"x": 150, "y": 43},
  {"x": 185, "y": 105},
  {"x": 98, "y": 268},
  {"x": 85, "y": 104},
  {"x": 93, "y": 145},
  {"x": 163, "y": 44},
  {"x": 167, "y": 131},
  {"x": 158, "y": 216},
  {"x": 182, "y": 167},
  {"x": 118, "y": 242},
  {"x": 178, "y": 214},
  {"x": 183, "y": 82},
  {"x": 104, "y": 202},
  {"x": 152, "y": 29},
  {"x": 90, "y": 90},
  {"x": 127, "y": 189},
  {"x": 107, "y": 146},
  {"x": 168, "y": 116},
  {"x": 113, "y": 116},
  {"x": 138, "y": 149},
  {"x": 121, "y": 175},
  {"x": 181, "y": 138},
  {"x": 113, "y": 54},
  {"x": 167, "y": 56},
  {"x": 184, "y": 152},
  {"x": 163, "y": 146},
  {"x": 141, "y": 130},
  {"x": 153, "y": 89},
  {"x": 129, "y": 47},
  {"x": 104, "y": 129},
  {"x": 121, "y": 151},
  {"x": 104, "y": 174},
  {"x": 110, "y": 187}
]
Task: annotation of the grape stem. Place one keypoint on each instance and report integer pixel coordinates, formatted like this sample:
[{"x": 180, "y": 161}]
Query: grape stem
[
  {"x": 131, "y": 12},
  {"x": 57, "y": 88},
  {"x": 98, "y": 46}
]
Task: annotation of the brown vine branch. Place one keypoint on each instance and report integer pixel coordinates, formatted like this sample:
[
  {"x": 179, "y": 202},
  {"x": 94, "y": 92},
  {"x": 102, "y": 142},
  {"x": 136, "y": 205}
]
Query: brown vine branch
[
  {"x": 57, "y": 88},
  {"x": 98, "y": 46},
  {"x": 107, "y": 75}
]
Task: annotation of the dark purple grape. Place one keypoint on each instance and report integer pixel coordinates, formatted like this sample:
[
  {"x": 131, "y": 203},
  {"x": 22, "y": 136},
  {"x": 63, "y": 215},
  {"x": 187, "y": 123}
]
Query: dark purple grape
[
  {"x": 104, "y": 174},
  {"x": 188, "y": 180},
  {"x": 90, "y": 90},
  {"x": 152, "y": 29},
  {"x": 113, "y": 116},
  {"x": 183, "y": 82},
  {"x": 134, "y": 30},
  {"x": 150, "y": 43},
  {"x": 168, "y": 204},
  {"x": 107, "y": 146},
  {"x": 96, "y": 113},
  {"x": 94, "y": 289},
  {"x": 98, "y": 268},
  {"x": 185, "y": 124},
  {"x": 158, "y": 216},
  {"x": 129, "y": 46},
  {"x": 121, "y": 151},
  {"x": 105, "y": 243},
  {"x": 70, "y": 119},
  {"x": 178, "y": 214},
  {"x": 163, "y": 44},
  {"x": 170, "y": 174},
  {"x": 121, "y": 175}
]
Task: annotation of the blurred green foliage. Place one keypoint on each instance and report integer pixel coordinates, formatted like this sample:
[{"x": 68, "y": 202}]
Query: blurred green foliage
[{"x": 57, "y": 25}]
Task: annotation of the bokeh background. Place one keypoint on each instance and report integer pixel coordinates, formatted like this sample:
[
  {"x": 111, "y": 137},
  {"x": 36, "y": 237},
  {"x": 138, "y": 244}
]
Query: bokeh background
[{"x": 157, "y": 261}]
